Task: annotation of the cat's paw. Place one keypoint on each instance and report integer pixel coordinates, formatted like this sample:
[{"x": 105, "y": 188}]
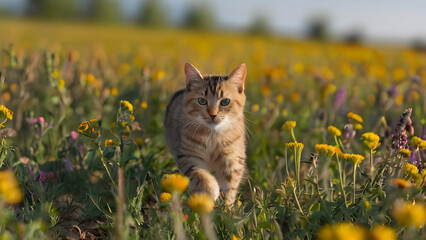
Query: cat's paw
[{"x": 202, "y": 181}]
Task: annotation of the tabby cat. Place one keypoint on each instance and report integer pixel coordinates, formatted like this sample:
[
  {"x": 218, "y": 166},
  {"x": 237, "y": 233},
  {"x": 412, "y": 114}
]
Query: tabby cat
[{"x": 205, "y": 131}]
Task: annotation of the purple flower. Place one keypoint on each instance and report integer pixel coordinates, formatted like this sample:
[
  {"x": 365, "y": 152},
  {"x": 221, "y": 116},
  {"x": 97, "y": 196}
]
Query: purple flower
[
  {"x": 392, "y": 91},
  {"x": 44, "y": 176},
  {"x": 340, "y": 96},
  {"x": 67, "y": 165}
]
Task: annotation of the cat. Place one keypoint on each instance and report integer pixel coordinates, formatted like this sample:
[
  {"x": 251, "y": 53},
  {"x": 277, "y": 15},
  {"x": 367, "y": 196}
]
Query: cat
[{"x": 205, "y": 132}]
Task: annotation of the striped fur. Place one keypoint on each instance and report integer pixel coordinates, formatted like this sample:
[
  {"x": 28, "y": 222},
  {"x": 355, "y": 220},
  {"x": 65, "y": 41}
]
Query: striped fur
[{"x": 209, "y": 141}]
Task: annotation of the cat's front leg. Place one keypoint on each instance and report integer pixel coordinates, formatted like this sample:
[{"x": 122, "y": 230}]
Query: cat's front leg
[
  {"x": 200, "y": 180},
  {"x": 229, "y": 178}
]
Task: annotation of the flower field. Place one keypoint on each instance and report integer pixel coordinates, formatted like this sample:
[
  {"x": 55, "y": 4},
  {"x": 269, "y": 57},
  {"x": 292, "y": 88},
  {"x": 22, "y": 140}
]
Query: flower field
[{"x": 336, "y": 136}]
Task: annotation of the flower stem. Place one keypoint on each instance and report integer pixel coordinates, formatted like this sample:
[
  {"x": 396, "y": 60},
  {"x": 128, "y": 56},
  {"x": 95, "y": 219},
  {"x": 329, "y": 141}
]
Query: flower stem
[
  {"x": 286, "y": 163},
  {"x": 208, "y": 227},
  {"x": 371, "y": 163},
  {"x": 292, "y": 135},
  {"x": 176, "y": 215},
  {"x": 341, "y": 180},
  {"x": 354, "y": 181}
]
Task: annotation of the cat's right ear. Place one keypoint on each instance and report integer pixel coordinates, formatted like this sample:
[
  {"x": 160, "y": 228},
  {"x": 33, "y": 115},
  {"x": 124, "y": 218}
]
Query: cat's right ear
[{"x": 193, "y": 77}]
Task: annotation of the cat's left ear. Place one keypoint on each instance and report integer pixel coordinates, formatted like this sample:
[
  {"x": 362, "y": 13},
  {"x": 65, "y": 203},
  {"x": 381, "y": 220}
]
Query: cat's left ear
[{"x": 238, "y": 77}]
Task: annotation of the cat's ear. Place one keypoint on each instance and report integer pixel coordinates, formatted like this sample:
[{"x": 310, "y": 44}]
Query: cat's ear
[
  {"x": 238, "y": 77},
  {"x": 193, "y": 76}
]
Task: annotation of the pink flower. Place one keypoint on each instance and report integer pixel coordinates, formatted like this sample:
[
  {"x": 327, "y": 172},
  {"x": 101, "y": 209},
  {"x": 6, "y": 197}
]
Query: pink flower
[
  {"x": 44, "y": 176},
  {"x": 39, "y": 120},
  {"x": 74, "y": 135},
  {"x": 185, "y": 217}
]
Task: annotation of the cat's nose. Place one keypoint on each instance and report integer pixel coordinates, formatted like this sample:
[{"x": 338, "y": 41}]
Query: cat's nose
[{"x": 213, "y": 116}]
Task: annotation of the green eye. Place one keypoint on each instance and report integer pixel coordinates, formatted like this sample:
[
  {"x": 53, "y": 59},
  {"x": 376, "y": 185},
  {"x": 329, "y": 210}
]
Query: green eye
[
  {"x": 225, "y": 102},
  {"x": 202, "y": 101}
]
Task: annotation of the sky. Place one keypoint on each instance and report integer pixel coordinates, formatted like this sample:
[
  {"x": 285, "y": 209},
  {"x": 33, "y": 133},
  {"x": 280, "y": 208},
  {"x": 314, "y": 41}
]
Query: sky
[{"x": 394, "y": 20}]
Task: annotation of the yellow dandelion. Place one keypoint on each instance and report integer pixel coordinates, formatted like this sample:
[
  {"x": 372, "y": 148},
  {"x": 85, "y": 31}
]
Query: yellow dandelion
[
  {"x": 381, "y": 232},
  {"x": 255, "y": 107},
  {"x": 114, "y": 91},
  {"x": 90, "y": 78},
  {"x": 406, "y": 153},
  {"x": 84, "y": 126},
  {"x": 401, "y": 183},
  {"x": 201, "y": 203},
  {"x": 144, "y": 105},
  {"x": 358, "y": 126},
  {"x": 367, "y": 205},
  {"x": 295, "y": 97},
  {"x": 279, "y": 98},
  {"x": 418, "y": 142},
  {"x": 265, "y": 90},
  {"x": 334, "y": 131},
  {"x": 158, "y": 75},
  {"x": 174, "y": 183},
  {"x": 371, "y": 140},
  {"x": 165, "y": 197},
  {"x": 341, "y": 231},
  {"x": 354, "y": 158},
  {"x": 61, "y": 84},
  {"x": 325, "y": 149},
  {"x": 355, "y": 117},
  {"x": 110, "y": 143},
  {"x": 126, "y": 105},
  {"x": 5, "y": 112},
  {"x": 410, "y": 214},
  {"x": 294, "y": 144},
  {"x": 410, "y": 169},
  {"x": 289, "y": 125},
  {"x": 9, "y": 187}
]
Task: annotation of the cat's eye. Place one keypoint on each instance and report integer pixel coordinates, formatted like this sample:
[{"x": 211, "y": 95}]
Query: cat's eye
[
  {"x": 225, "y": 101},
  {"x": 202, "y": 101}
]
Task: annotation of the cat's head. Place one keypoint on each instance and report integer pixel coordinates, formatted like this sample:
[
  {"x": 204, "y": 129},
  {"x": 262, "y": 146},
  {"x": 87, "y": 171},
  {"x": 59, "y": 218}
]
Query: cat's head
[{"x": 215, "y": 101}]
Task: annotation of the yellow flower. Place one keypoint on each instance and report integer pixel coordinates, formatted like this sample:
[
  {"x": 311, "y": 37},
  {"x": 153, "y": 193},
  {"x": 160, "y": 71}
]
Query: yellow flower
[
  {"x": 255, "y": 107},
  {"x": 341, "y": 231},
  {"x": 165, "y": 197},
  {"x": 410, "y": 169},
  {"x": 355, "y": 117},
  {"x": 367, "y": 205},
  {"x": 404, "y": 152},
  {"x": 291, "y": 145},
  {"x": 110, "y": 143},
  {"x": 265, "y": 90},
  {"x": 339, "y": 152},
  {"x": 5, "y": 112},
  {"x": 287, "y": 126},
  {"x": 325, "y": 149},
  {"x": 381, "y": 232},
  {"x": 55, "y": 73},
  {"x": 9, "y": 187},
  {"x": 401, "y": 183},
  {"x": 114, "y": 91},
  {"x": 371, "y": 140},
  {"x": 235, "y": 237},
  {"x": 126, "y": 105},
  {"x": 158, "y": 75},
  {"x": 410, "y": 214},
  {"x": 279, "y": 98},
  {"x": 418, "y": 142},
  {"x": 123, "y": 68},
  {"x": 201, "y": 203},
  {"x": 334, "y": 131},
  {"x": 84, "y": 126},
  {"x": 90, "y": 78},
  {"x": 144, "y": 105},
  {"x": 174, "y": 183},
  {"x": 295, "y": 97},
  {"x": 61, "y": 84},
  {"x": 358, "y": 126},
  {"x": 354, "y": 158}
]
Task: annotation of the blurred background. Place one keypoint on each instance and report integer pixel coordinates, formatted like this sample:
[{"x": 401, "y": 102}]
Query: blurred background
[{"x": 382, "y": 21}]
